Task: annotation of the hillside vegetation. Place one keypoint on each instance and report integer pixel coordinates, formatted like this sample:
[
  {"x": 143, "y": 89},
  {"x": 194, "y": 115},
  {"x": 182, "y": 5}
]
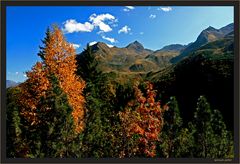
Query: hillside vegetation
[{"x": 175, "y": 102}]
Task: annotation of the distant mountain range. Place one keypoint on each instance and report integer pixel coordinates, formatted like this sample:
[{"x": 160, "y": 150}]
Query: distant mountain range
[
  {"x": 203, "y": 67},
  {"x": 207, "y": 71},
  {"x": 10, "y": 83},
  {"x": 173, "y": 47},
  {"x": 208, "y": 35},
  {"x": 135, "y": 58}
]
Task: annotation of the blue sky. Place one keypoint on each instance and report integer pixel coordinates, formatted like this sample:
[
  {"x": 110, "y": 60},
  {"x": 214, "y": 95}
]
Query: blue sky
[{"x": 154, "y": 27}]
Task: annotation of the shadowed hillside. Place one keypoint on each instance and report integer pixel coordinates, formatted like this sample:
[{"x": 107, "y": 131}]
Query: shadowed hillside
[{"x": 207, "y": 71}]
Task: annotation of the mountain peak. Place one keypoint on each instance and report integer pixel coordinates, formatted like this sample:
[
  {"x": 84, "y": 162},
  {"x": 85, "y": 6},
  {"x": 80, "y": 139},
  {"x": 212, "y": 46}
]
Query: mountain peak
[
  {"x": 135, "y": 45},
  {"x": 210, "y": 34},
  {"x": 98, "y": 45},
  {"x": 136, "y": 42},
  {"x": 210, "y": 28},
  {"x": 173, "y": 47}
]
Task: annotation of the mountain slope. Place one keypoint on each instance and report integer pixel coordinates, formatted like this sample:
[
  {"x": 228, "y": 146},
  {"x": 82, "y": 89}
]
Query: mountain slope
[
  {"x": 227, "y": 29},
  {"x": 133, "y": 58},
  {"x": 207, "y": 71},
  {"x": 208, "y": 35},
  {"x": 10, "y": 83},
  {"x": 173, "y": 47},
  {"x": 163, "y": 56}
]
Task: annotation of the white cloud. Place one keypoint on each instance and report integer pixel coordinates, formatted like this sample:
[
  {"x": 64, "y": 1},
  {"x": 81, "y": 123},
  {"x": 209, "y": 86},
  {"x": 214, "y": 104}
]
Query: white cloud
[
  {"x": 75, "y": 46},
  {"x": 112, "y": 40},
  {"x": 92, "y": 43},
  {"x": 17, "y": 73},
  {"x": 166, "y": 9},
  {"x": 124, "y": 29},
  {"x": 72, "y": 25},
  {"x": 130, "y": 7},
  {"x": 95, "y": 20},
  {"x": 98, "y": 21},
  {"x": 141, "y": 33},
  {"x": 152, "y": 16},
  {"x": 104, "y": 27},
  {"x": 24, "y": 75},
  {"x": 109, "y": 45}
]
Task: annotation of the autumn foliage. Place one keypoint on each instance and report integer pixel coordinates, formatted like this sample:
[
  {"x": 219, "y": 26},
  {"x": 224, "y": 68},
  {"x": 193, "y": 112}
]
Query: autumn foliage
[
  {"x": 59, "y": 61},
  {"x": 57, "y": 114},
  {"x": 32, "y": 90},
  {"x": 144, "y": 117}
]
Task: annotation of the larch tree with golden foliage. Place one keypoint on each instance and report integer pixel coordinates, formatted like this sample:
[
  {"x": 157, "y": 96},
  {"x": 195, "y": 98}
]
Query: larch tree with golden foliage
[
  {"x": 51, "y": 100},
  {"x": 60, "y": 59},
  {"x": 32, "y": 91}
]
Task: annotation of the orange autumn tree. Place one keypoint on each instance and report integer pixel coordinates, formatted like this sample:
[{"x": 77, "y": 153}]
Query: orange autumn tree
[
  {"x": 144, "y": 117},
  {"x": 32, "y": 90},
  {"x": 59, "y": 61}
]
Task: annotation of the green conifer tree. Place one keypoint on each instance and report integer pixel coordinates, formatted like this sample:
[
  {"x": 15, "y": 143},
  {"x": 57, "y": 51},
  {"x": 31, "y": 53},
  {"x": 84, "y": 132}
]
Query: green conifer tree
[
  {"x": 100, "y": 135},
  {"x": 212, "y": 140},
  {"x": 56, "y": 131},
  {"x": 94, "y": 137},
  {"x": 170, "y": 135},
  {"x": 224, "y": 142},
  {"x": 45, "y": 41},
  {"x": 16, "y": 144},
  {"x": 204, "y": 136},
  {"x": 186, "y": 143},
  {"x": 87, "y": 65}
]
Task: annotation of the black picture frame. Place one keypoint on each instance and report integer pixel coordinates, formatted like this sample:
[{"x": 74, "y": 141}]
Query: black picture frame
[{"x": 3, "y": 29}]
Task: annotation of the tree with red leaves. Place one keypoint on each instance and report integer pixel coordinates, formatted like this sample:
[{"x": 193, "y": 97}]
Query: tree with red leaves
[{"x": 144, "y": 117}]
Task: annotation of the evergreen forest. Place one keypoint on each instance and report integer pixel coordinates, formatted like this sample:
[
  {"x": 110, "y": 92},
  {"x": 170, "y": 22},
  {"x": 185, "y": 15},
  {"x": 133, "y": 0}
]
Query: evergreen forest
[{"x": 110, "y": 102}]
